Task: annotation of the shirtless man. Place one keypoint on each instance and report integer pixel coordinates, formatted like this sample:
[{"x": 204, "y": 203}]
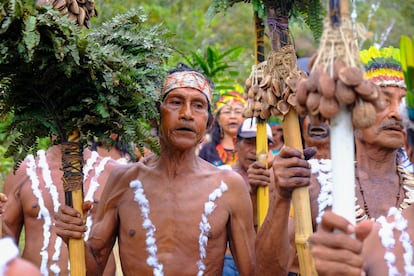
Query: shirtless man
[
  {"x": 338, "y": 253},
  {"x": 254, "y": 172},
  {"x": 34, "y": 194},
  {"x": 379, "y": 179},
  {"x": 176, "y": 215}
]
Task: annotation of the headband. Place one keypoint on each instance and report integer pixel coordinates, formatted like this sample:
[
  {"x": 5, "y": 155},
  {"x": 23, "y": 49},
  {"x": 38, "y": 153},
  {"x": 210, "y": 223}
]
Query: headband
[
  {"x": 383, "y": 66},
  {"x": 187, "y": 79},
  {"x": 228, "y": 98}
]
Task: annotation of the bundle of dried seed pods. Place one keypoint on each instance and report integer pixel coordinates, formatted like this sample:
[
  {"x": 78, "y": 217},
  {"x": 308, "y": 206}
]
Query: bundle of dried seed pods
[{"x": 321, "y": 95}]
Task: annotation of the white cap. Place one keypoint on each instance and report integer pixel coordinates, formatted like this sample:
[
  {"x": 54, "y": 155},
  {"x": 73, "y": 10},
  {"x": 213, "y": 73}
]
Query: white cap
[{"x": 248, "y": 129}]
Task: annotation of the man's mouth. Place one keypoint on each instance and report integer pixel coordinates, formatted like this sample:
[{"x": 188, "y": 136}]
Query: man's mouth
[
  {"x": 320, "y": 131},
  {"x": 392, "y": 126},
  {"x": 185, "y": 129}
]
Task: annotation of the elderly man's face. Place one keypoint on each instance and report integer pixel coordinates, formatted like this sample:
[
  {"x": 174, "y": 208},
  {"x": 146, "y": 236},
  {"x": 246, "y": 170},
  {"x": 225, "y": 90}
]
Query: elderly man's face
[
  {"x": 387, "y": 132},
  {"x": 246, "y": 149},
  {"x": 184, "y": 116},
  {"x": 317, "y": 135}
]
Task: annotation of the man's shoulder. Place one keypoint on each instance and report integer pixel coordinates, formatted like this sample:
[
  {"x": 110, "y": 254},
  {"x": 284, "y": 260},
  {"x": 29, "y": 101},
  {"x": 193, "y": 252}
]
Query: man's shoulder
[{"x": 232, "y": 178}]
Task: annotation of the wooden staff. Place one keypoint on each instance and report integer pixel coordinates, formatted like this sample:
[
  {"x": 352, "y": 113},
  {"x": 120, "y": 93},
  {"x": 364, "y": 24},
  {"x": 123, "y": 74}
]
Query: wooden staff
[
  {"x": 261, "y": 136},
  {"x": 280, "y": 64},
  {"x": 72, "y": 161},
  {"x": 300, "y": 199}
]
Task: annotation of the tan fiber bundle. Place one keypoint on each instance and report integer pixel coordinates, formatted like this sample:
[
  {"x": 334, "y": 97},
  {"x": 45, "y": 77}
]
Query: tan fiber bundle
[{"x": 274, "y": 93}]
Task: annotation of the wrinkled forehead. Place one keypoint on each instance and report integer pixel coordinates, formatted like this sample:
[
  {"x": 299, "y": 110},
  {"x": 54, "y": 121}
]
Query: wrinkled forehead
[{"x": 187, "y": 79}]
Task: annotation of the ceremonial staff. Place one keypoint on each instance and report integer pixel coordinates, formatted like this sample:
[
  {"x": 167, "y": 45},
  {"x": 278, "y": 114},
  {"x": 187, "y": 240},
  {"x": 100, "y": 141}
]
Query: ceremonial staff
[
  {"x": 272, "y": 92},
  {"x": 337, "y": 91}
]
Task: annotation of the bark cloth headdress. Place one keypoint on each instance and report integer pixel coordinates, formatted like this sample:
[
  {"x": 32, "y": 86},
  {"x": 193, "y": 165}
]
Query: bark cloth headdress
[{"x": 187, "y": 79}]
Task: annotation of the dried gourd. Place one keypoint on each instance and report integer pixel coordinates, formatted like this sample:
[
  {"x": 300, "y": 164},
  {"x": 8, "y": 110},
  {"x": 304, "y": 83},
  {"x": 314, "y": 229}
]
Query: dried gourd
[
  {"x": 312, "y": 103},
  {"x": 350, "y": 75},
  {"x": 363, "y": 114},
  {"x": 328, "y": 107},
  {"x": 301, "y": 92},
  {"x": 344, "y": 93},
  {"x": 326, "y": 85},
  {"x": 367, "y": 91}
]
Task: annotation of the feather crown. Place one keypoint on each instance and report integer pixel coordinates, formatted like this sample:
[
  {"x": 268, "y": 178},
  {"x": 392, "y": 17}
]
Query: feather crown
[{"x": 383, "y": 66}]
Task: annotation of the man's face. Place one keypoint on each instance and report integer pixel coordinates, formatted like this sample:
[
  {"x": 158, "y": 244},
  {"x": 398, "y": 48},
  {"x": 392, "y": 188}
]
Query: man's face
[
  {"x": 387, "y": 132},
  {"x": 277, "y": 134},
  {"x": 317, "y": 135},
  {"x": 184, "y": 116},
  {"x": 246, "y": 149}
]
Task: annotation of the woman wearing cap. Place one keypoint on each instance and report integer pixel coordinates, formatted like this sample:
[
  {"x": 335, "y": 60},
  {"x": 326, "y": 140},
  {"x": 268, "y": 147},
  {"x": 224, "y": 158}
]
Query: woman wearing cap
[{"x": 221, "y": 150}]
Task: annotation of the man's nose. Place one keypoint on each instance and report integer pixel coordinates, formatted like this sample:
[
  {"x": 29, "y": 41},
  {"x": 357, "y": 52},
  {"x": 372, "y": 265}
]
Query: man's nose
[{"x": 186, "y": 112}]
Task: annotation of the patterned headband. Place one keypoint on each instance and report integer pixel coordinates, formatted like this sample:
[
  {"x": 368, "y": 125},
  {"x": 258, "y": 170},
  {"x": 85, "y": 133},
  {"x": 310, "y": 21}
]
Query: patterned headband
[
  {"x": 383, "y": 66},
  {"x": 228, "y": 98},
  {"x": 187, "y": 79}
]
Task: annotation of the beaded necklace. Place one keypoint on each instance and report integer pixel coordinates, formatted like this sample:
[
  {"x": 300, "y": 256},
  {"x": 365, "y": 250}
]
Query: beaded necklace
[
  {"x": 361, "y": 191},
  {"x": 323, "y": 171},
  {"x": 406, "y": 182}
]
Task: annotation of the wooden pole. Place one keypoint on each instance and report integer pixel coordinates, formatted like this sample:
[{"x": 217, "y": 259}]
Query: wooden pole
[
  {"x": 261, "y": 137},
  {"x": 262, "y": 152},
  {"x": 72, "y": 160},
  {"x": 300, "y": 199}
]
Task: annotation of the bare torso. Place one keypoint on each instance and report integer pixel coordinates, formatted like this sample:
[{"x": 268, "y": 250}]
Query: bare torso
[
  {"x": 193, "y": 214},
  {"x": 374, "y": 251}
]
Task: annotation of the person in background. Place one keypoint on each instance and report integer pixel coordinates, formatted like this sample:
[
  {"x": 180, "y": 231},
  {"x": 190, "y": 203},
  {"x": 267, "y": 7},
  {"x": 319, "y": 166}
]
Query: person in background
[
  {"x": 380, "y": 181},
  {"x": 35, "y": 192},
  {"x": 380, "y": 248},
  {"x": 254, "y": 173},
  {"x": 220, "y": 150},
  {"x": 277, "y": 134}
]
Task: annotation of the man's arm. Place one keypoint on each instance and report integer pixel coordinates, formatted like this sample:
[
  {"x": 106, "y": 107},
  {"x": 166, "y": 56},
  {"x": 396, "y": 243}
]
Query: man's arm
[
  {"x": 70, "y": 224},
  {"x": 12, "y": 208},
  {"x": 290, "y": 171},
  {"x": 241, "y": 231}
]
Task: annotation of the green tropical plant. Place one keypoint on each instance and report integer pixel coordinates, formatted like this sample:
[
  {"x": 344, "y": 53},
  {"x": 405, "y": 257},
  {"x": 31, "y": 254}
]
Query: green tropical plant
[
  {"x": 220, "y": 67},
  {"x": 310, "y": 11},
  {"x": 57, "y": 80}
]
